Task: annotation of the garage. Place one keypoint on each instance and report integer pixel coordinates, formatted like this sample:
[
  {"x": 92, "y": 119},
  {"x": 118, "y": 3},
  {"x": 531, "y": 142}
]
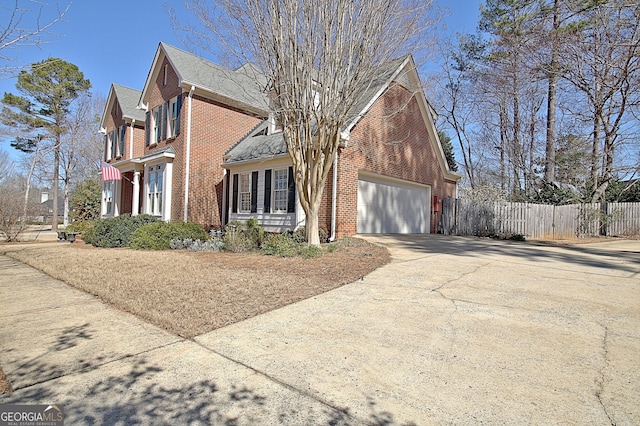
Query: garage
[{"x": 389, "y": 206}]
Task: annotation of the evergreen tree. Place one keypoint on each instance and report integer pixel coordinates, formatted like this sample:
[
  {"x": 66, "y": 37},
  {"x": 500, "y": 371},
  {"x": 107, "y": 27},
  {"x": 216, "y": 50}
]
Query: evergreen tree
[
  {"x": 447, "y": 147},
  {"x": 46, "y": 90}
]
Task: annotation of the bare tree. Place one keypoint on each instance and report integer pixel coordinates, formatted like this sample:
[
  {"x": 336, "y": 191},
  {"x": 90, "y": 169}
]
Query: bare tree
[
  {"x": 81, "y": 147},
  {"x": 15, "y": 34},
  {"x": 605, "y": 66},
  {"x": 319, "y": 58}
]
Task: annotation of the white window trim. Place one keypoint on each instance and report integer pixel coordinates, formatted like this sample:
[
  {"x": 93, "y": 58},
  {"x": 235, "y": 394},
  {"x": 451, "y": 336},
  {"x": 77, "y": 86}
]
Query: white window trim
[
  {"x": 275, "y": 191},
  {"x": 172, "y": 120},
  {"x": 156, "y": 125},
  {"x": 167, "y": 180},
  {"x": 155, "y": 199},
  {"x": 241, "y": 192},
  {"x": 114, "y": 186}
]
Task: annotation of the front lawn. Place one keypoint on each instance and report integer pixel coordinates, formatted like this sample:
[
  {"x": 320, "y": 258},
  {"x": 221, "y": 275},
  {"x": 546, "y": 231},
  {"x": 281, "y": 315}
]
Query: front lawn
[{"x": 190, "y": 293}]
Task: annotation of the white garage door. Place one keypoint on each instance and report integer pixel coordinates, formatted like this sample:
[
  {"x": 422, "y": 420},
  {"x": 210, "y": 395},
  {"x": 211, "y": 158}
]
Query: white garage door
[{"x": 397, "y": 207}]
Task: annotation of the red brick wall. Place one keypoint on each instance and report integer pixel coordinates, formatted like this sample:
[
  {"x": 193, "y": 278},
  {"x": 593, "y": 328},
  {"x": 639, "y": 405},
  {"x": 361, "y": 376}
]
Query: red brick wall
[
  {"x": 391, "y": 140},
  {"x": 214, "y": 129}
]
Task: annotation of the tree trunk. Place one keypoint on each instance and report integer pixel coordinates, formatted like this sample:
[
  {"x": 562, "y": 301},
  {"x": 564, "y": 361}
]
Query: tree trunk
[
  {"x": 65, "y": 219},
  {"x": 550, "y": 157},
  {"x": 54, "y": 189},
  {"x": 312, "y": 229},
  {"x": 28, "y": 188}
]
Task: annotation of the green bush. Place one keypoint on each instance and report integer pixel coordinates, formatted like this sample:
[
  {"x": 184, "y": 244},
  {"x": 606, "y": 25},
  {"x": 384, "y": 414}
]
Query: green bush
[
  {"x": 287, "y": 245},
  {"x": 116, "y": 231},
  {"x": 81, "y": 226},
  {"x": 243, "y": 236},
  {"x": 85, "y": 201},
  {"x": 158, "y": 235}
]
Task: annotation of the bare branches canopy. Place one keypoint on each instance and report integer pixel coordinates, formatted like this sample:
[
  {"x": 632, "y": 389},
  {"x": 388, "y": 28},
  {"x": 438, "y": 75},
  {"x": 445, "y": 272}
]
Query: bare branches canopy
[{"x": 319, "y": 58}]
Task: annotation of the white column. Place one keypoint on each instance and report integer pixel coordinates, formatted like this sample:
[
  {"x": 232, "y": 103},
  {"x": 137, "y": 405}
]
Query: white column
[
  {"x": 135, "y": 207},
  {"x": 166, "y": 192}
]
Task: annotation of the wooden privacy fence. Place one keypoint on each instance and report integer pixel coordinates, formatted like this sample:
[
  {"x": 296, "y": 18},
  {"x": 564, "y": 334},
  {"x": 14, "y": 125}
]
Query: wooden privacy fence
[{"x": 540, "y": 221}]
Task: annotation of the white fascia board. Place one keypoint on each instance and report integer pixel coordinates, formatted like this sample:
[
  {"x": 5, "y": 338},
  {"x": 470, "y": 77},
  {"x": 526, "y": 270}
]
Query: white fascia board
[
  {"x": 107, "y": 108},
  {"x": 143, "y": 104},
  {"x": 376, "y": 96}
]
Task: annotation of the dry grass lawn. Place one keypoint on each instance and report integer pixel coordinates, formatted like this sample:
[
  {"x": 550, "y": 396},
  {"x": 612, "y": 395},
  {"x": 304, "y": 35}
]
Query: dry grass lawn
[{"x": 192, "y": 293}]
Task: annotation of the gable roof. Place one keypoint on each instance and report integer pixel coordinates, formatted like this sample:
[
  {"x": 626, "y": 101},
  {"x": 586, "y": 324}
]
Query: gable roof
[
  {"x": 237, "y": 88},
  {"x": 128, "y": 99},
  {"x": 261, "y": 146}
]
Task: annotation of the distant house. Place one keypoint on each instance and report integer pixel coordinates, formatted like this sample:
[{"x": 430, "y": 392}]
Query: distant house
[{"x": 197, "y": 144}]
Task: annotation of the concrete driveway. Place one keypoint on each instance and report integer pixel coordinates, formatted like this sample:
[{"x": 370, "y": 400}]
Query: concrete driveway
[{"x": 453, "y": 331}]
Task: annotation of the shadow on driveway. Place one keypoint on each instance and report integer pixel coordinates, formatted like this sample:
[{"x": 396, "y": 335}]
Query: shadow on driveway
[{"x": 608, "y": 256}]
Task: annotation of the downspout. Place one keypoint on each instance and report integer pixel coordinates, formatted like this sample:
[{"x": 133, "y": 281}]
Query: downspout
[
  {"x": 334, "y": 198},
  {"x": 188, "y": 156}
]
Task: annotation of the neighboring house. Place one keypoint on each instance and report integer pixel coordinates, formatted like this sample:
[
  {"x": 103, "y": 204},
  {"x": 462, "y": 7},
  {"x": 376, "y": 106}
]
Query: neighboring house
[{"x": 198, "y": 144}]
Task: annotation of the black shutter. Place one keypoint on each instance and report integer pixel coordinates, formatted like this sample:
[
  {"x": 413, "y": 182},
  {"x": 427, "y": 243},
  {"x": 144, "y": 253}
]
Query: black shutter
[
  {"x": 123, "y": 130},
  {"x": 291, "y": 193},
  {"x": 106, "y": 147},
  {"x": 147, "y": 128},
  {"x": 267, "y": 191},
  {"x": 179, "y": 108},
  {"x": 254, "y": 192},
  {"x": 165, "y": 115},
  {"x": 234, "y": 202},
  {"x": 114, "y": 142}
]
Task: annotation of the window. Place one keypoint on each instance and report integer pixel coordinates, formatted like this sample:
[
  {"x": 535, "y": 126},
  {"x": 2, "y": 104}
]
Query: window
[
  {"x": 107, "y": 196},
  {"x": 156, "y": 178},
  {"x": 156, "y": 124},
  {"x": 174, "y": 117},
  {"x": 280, "y": 190},
  {"x": 245, "y": 192},
  {"x": 113, "y": 143},
  {"x": 164, "y": 79}
]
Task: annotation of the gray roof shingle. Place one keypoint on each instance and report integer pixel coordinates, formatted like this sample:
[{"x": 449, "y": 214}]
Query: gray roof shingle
[
  {"x": 257, "y": 145},
  {"x": 128, "y": 99},
  {"x": 239, "y": 85}
]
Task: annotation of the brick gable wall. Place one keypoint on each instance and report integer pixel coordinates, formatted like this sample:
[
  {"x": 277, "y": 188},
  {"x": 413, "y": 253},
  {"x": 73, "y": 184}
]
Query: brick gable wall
[
  {"x": 214, "y": 129},
  {"x": 391, "y": 140}
]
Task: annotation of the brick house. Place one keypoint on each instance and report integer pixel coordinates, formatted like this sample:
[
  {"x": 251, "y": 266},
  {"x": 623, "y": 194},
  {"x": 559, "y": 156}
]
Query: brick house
[{"x": 197, "y": 144}]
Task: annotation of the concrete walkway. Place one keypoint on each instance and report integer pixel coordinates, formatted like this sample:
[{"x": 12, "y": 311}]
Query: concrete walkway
[{"x": 453, "y": 331}]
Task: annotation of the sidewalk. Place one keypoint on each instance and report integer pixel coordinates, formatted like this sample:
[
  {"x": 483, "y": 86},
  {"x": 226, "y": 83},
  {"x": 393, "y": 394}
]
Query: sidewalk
[{"x": 61, "y": 346}]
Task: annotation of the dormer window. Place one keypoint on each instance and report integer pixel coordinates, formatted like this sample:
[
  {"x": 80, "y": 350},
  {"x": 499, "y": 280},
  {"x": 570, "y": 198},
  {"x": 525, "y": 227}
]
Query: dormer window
[{"x": 274, "y": 125}]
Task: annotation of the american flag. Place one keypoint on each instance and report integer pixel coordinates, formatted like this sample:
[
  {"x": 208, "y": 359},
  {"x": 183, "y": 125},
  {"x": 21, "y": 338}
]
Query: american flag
[{"x": 109, "y": 172}]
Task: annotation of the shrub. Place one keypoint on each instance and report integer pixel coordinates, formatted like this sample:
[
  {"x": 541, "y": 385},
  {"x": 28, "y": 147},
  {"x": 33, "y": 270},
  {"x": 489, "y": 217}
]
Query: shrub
[
  {"x": 287, "y": 245},
  {"x": 243, "y": 236},
  {"x": 81, "y": 226},
  {"x": 158, "y": 235},
  {"x": 85, "y": 201},
  {"x": 115, "y": 231},
  {"x": 214, "y": 244}
]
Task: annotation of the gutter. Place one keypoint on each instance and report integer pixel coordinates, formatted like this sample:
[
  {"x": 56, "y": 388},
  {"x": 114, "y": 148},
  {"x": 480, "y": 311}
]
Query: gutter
[{"x": 188, "y": 156}]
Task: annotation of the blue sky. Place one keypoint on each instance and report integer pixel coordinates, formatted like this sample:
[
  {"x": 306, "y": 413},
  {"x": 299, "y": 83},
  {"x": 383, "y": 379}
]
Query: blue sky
[{"x": 114, "y": 41}]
